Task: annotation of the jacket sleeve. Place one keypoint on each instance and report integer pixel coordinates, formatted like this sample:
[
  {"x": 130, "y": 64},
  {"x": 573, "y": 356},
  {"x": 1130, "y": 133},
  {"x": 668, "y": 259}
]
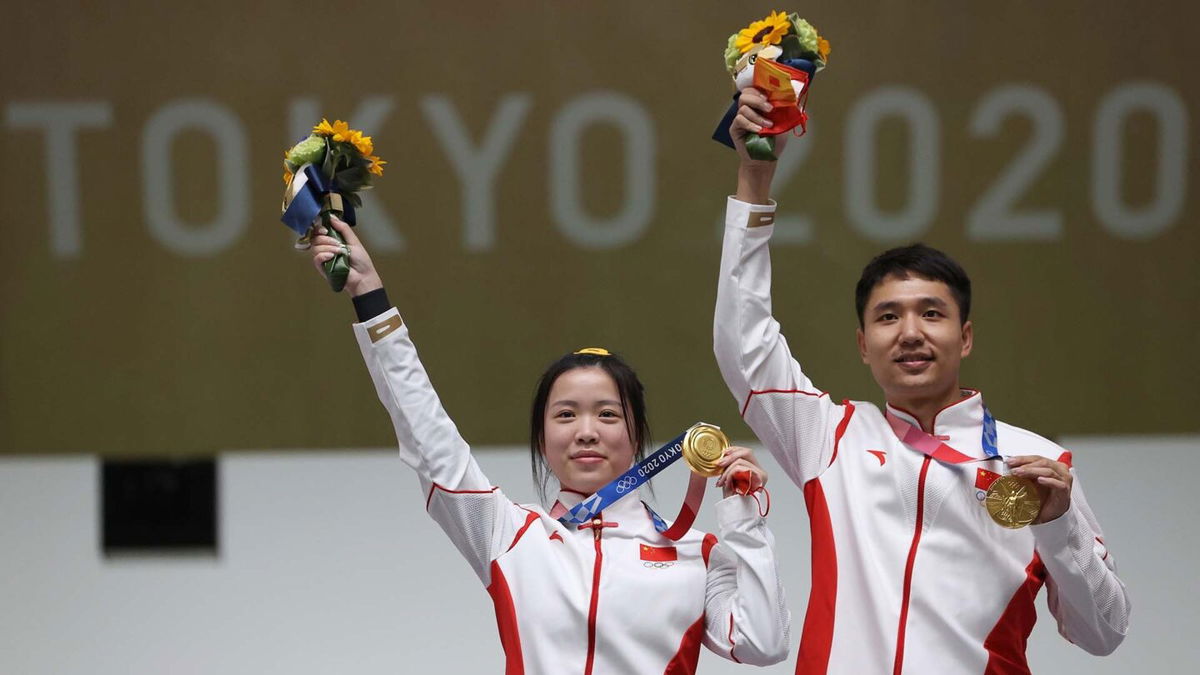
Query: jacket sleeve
[
  {"x": 1083, "y": 590},
  {"x": 476, "y": 515},
  {"x": 745, "y": 614},
  {"x": 793, "y": 419}
]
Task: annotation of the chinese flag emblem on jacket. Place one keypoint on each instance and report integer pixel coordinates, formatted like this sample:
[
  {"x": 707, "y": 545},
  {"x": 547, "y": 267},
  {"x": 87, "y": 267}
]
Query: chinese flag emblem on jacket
[
  {"x": 984, "y": 479},
  {"x": 658, "y": 553}
]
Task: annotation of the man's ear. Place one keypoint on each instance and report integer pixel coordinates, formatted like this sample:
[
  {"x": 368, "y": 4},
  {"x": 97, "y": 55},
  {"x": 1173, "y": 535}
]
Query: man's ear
[
  {"x": 862, "y": 344},
  {"x": 968, "y": 338}
]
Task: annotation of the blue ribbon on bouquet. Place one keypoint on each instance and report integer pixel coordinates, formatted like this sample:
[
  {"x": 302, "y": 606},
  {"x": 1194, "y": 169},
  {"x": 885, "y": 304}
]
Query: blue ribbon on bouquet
[
  {"x": 626, "y": 483},
  {"x": 308, "y": 200}
]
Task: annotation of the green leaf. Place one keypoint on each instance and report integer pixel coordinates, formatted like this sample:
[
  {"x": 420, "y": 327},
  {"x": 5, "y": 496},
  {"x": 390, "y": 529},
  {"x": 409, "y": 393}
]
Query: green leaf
[
  {"x": 352, "y": 179},
  {"x": 327, "y": 166},
  {"x": 791, "y": 48}
]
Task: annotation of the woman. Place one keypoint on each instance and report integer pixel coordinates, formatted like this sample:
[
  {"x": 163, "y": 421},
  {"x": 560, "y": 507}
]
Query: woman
[{"x": 611, "y": 595}]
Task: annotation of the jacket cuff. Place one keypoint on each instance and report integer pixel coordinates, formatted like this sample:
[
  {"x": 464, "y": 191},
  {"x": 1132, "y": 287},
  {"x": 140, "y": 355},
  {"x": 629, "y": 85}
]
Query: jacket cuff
[
  {"x": 379, "y": 327},
  {"x": 744, "y": 215},
  {"x": 737, "y": 510},
  {"x": 1054, "y": 537}
]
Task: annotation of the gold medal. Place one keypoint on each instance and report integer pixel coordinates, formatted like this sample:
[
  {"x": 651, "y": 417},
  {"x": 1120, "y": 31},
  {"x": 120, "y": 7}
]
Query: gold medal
[
  {"x": 703, "y": 446},
  {"x": 1013, "y": 502}
]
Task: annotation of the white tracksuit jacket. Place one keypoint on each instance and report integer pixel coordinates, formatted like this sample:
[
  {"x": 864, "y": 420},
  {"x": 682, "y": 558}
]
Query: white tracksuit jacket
[
  {"x": 611, "y": 597},
  {"x": 909, "y": 574}
]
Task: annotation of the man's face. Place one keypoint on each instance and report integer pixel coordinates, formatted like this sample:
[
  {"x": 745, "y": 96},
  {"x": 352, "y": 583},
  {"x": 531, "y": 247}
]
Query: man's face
[{"x": 914, "y": 340}]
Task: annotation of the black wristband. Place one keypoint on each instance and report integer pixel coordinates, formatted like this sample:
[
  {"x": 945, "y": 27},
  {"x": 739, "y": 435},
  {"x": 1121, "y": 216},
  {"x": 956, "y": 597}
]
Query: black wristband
[{"x": 371, "y": 304}]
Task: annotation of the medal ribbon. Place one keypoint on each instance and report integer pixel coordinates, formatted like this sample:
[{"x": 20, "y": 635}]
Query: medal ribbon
[
  {"x": 920, "y": 440},
  {"x": 635, "y": 477}
]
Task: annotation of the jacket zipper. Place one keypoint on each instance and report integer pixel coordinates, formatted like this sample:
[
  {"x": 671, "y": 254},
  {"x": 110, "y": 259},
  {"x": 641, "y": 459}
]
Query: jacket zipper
[
  {"x": 597, "y": 525},
  {"x": 908, "y": 569}
]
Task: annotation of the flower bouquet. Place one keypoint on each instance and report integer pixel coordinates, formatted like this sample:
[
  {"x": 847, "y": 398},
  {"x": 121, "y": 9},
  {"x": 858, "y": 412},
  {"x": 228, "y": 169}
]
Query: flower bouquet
[
  {"x": 778, "y": 55},
  {"x": 324, "y": 174}
]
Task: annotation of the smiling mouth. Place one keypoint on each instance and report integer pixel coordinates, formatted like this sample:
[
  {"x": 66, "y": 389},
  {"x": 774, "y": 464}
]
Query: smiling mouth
[{"x": 913, "y": 361}]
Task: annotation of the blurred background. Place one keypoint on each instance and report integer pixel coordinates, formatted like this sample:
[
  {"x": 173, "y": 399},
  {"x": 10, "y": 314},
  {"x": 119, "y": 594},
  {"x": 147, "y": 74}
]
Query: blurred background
[{"x": 551, "y": 185}]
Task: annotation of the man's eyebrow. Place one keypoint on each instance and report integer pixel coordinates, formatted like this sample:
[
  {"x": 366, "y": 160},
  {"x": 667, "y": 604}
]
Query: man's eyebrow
[{"x": 922, "y": 301}]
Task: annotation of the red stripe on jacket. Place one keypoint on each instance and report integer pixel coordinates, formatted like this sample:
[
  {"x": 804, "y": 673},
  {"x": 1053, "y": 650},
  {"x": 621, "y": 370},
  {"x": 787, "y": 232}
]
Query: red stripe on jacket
[
  {"x": 1006, "y": 643},
  {"x": 506, "y": 622}
]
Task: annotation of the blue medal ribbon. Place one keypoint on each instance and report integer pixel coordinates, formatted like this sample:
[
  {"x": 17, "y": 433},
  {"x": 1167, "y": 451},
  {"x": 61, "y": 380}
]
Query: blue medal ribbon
[
  {"x": 989, "y": 434},
  {"x": 625, "y": 484},
  {"x": 308, "y": 202}
]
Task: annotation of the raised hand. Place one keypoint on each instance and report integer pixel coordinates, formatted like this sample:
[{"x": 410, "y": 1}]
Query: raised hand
[{"x": 362, "y": 278}]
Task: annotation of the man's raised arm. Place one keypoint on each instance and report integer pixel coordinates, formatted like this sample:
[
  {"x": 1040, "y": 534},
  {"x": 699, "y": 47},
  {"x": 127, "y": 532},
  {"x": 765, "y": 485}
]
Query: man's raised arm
[{"x": 791, "y": 417}]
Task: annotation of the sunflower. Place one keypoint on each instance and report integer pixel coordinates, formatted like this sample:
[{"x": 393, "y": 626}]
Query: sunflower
[
  {"x": 339, "y": 130},
  {"x": 376, "y": 165},
  {"x": 823, "y": 49},
  {"x": 769, "y": 31},
  {"x": 363, "y": 143}
]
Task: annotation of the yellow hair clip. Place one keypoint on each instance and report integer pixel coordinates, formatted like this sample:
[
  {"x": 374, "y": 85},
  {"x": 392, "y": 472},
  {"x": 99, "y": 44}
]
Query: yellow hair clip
[{"x": 598, "y": 351}]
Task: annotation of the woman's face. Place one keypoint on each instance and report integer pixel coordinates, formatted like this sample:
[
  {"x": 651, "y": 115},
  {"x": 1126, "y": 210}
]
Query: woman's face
[{"x": 587, "y": 443}]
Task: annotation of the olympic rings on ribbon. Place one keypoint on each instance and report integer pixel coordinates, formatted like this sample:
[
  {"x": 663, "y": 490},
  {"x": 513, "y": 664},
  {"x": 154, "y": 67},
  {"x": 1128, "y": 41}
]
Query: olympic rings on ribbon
[{"x": 627, "y": 483}]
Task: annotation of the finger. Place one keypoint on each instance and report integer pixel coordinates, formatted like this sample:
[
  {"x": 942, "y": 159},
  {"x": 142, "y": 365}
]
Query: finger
[
  {"x": 1020, "y": 460},
  {"x": 345, "y": 230},
  {"x": 754, "y": 98},
  {"x": 736, "y": 467},
  {"x": 1053, "y": 483},
  {"x": 732, "y": 454},
  {"x": 333, "y": 249},
  {"x": 1031, "y": 471},
  {"x": 742, "y": 126},
  {"x": 326, "y": 240},
  {"x": 319, "y": 261},
  {"x": 749, "y": 114},
  {"x": 724, "y": 477}
]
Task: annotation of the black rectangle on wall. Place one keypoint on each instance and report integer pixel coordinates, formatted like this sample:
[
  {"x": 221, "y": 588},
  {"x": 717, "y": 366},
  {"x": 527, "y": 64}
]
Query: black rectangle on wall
[{"x": 159, "y": 506}]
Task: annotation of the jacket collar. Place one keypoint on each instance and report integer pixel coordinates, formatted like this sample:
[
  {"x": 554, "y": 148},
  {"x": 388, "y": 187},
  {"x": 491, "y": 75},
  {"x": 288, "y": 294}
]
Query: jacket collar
[
  {"x": 623, "y": 512},
  {"x": 959, "y": 424}
]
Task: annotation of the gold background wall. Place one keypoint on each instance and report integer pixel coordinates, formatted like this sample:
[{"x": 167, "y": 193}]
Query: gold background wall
[{"x": 552, "y": 186}]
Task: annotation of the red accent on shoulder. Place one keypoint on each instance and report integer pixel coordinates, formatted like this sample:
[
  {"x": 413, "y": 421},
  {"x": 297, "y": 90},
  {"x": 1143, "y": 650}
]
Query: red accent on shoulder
[
  {"x": 688, "y": 654},
  {"x": 529, "y": 520},
  {"x": 817, "y": 394},
  {"x": 841, "y": 428},
  {"x": 557, "y": 536},
  {"x": 710, "y": 540},
  {"x": 1065, "y": 458},
  {"x": 730, "y": 638},
  {"x": 902, "y": 629},
  {"x": 435, "y": 486},
  {"x": 1006, "y": 643},
  {"x": 506, "y": 622},
  {"x": 817, "y": 638}
]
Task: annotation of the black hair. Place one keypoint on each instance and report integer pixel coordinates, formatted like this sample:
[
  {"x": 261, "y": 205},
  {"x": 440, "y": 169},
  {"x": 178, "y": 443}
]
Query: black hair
[
  {"x": 917, "y": 260},
  {"x": 633, "y": 403}
]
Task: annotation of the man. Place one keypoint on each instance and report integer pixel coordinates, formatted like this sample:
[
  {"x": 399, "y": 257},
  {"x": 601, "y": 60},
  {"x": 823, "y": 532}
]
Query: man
[{"x": 910, "y": 572}]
